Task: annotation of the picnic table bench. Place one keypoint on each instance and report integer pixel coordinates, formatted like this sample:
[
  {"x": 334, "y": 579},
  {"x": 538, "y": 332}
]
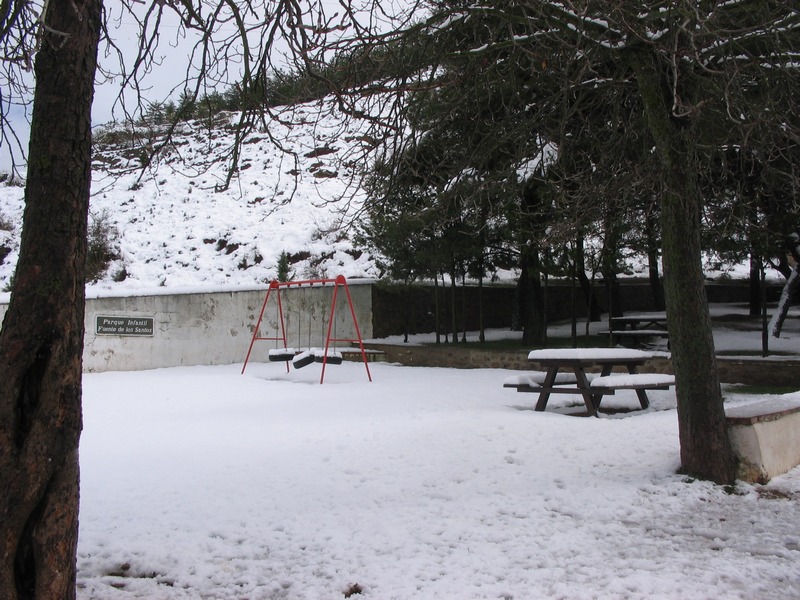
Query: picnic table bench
[
  {"x": 648, "y": 320},
  {"x": 637, "y": 327},
  {"x": 592, "y": 387}
]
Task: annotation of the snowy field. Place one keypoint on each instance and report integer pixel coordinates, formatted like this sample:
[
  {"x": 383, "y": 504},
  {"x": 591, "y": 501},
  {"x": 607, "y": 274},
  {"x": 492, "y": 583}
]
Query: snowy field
[{"x": 201, "y": 483}]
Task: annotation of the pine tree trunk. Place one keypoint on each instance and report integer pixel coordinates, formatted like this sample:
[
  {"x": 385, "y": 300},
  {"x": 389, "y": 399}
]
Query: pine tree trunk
[
  {"x": 705, "y": 448},
  {"x": 481, "y": 329},
  {"x": 754, "y": 301},
  {"x": 784, "y": 302},
  {"x": 453, "y": 315},
  {"x": 609, "y": 270},
  {"x": 532, "y": 299},
  {"x": 436, "y": 311},
  {"x": 41, "y": 342},
  {"x": 592, "y": 304},
  {"x": 653, "y": 272}
]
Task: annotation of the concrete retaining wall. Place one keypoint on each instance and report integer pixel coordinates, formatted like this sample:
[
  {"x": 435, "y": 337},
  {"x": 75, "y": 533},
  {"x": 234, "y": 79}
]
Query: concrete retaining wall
[
  {"x": 765, "y": 437},
  {"x": 211, "y": 328},
  {"x": 216, "y": 328}
]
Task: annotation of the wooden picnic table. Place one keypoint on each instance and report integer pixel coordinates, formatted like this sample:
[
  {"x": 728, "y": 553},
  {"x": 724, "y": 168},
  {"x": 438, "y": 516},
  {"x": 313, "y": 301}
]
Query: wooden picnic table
[
  {"x": 637, "y": 326},
  {"x": 650, "y": 320},
  {"x": 577, "y": 361}
]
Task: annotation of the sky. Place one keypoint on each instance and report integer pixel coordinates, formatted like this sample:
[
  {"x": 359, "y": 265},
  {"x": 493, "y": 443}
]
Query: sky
[
  {"x": 172, "y": 62},
  {"x": 168, "y": 70},
  {"x": 159, "y": 85}
]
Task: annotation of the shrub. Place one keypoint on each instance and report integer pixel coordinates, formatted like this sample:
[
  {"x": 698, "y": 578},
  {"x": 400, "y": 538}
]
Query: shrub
[
  {"x": 101, "y": 245},
  {"x": 5, "y": 223},
  {"x": 284, "y": 268},
  {"x": 5, "y": 239}
]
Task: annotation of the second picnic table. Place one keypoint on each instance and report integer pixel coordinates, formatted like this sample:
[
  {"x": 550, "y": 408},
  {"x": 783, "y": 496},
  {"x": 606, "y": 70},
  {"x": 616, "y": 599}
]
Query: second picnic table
[
  {"x": 578, "y": 360},
  {"x": 640, "y": 321},
  {"x": 638, "y": 326}
]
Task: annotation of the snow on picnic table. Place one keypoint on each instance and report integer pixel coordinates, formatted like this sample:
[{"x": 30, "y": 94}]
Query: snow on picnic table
[
  {"x": 588, "y": 354},
  {"x": 202, "y": 483}
]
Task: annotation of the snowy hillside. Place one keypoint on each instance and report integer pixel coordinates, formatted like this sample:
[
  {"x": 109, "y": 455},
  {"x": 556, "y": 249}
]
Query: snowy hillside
[{"x": 173, "y": 229}]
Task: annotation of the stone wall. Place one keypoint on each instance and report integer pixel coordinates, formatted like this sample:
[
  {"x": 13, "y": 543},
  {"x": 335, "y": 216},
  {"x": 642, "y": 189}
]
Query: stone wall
[{"x": 174, "y": 329}]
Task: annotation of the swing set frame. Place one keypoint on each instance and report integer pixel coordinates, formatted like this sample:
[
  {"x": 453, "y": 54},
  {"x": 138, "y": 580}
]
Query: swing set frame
[{"x": 276, "y": 286}]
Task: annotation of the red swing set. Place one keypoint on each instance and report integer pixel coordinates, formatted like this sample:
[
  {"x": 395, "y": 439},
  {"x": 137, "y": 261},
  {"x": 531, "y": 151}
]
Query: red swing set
[{"x": 302, "y": 359}]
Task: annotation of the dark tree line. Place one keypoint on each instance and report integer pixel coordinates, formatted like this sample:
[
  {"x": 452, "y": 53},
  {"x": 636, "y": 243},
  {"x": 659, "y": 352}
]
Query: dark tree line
[
  {"x": 674, "y": 128},
  {"x": 493, "y": 100}
]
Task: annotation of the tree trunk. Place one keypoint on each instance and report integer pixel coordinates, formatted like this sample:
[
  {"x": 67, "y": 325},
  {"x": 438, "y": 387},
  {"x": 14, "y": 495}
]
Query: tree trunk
[
  {"x": 453, "y": 315},
  {"x": 613, "y": 294},
  {"x": 764, "y": 335},
  {"x": 609, "y": 269},
  {"x": 789, "y": 289},
  {"x": 41, "y": 342},
  {"x": 436, "y": 310},
  {"x": 592, "y": 306},
  {"x": 481, "y": 327},
  {"x": 463, "y": 308},
  {"x": 705, "y": 448},
  {"x": 784, "y": 302},
  {"x": 531, "y": 299},
  {"x": 652, "y": 264},
  {"x": 755, "y": 284},
  {"x": 445, "y": 316},
  {"x": 573, "y": 322}
]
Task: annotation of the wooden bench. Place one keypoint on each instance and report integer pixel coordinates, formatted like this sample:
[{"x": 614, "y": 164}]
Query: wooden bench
[
  {"x": 640, "y": 382},
  {"x": 617, "y": 335},
  {"x": 533, "y": 382},
  {"x": 534, "y": 378},
  {"x": 765, "y": 437},
  {"x": 634, "y": 381}
]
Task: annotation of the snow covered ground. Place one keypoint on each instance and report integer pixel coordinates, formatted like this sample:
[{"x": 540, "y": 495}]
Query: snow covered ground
[{"x": 201, "y": 483}]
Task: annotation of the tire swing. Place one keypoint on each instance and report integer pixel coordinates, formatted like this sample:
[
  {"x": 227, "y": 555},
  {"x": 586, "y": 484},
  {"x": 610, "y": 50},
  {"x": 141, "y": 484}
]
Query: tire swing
[
  {"x": 279, "y": 354},
  {"x": 306, "y": 357},
  {"x": 327, "y": 356}
]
